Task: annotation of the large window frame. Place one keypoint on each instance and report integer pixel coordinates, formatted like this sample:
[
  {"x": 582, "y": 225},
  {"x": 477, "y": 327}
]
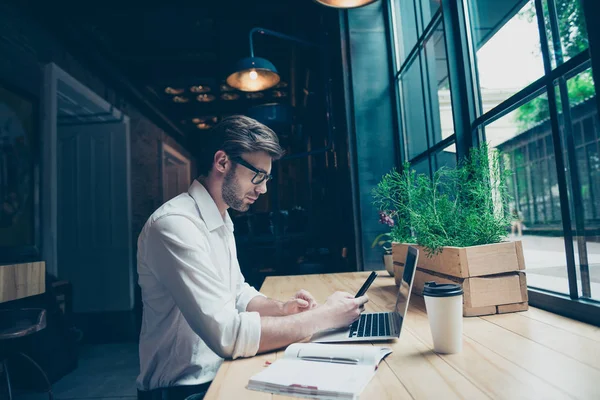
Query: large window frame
[
  {"x": 469, "y": 121},
  {"x": 416, "y": 55}
]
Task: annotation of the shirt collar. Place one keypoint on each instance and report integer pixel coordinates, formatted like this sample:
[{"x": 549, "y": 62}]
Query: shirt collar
[{"x": 208, "y": 209}]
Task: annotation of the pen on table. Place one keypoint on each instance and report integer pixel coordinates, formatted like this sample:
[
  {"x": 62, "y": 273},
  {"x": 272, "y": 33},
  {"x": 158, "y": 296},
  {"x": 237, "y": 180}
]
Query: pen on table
[{"x": 338, "y": 360}]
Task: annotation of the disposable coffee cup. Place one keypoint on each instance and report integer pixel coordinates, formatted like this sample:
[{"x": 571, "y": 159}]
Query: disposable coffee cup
[{"x": 444, "y": 303}]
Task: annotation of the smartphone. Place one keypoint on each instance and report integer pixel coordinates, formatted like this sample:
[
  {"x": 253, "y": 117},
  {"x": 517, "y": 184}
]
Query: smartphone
[{"x": 366, "y": 285}]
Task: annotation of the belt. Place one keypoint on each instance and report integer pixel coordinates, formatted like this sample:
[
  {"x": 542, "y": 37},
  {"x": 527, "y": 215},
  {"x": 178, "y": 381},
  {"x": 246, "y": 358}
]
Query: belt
[{"x": 174, "y": 392}]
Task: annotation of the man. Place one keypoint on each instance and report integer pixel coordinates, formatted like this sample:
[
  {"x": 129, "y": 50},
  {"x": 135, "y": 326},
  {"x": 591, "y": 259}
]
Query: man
[{"x": 197, "y": 308}]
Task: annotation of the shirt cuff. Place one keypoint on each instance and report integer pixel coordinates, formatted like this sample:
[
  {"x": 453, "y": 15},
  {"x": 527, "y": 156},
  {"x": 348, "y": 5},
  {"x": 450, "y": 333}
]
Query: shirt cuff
[
  {"x": 249, "y": 338},
  {"x": 247, "y": 293}
]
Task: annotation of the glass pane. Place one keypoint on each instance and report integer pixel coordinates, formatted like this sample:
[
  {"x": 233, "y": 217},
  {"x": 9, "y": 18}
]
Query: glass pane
[
  {"x": 584, "y": 195},
  {"x": 524, "y": 138},
  {"x": 421, "y": 167},
  {"x": 445, "y": 157},
  {"x": 405, "y": 29},
  {"x": 439, "y": 84},
  {"x": 412, "y": 106},
  {"x": 565, "y": 29},
  {"x": 428, "y": 10},
  {"x": 507, "y": 45}
]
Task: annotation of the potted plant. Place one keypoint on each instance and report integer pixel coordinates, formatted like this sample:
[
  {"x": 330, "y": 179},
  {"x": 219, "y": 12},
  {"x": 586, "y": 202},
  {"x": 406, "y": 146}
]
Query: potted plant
[{"x": 459, "y": 220}]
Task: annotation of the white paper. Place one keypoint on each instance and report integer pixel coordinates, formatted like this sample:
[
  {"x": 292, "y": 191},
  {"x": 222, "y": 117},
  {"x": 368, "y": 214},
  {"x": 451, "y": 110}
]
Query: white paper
[
  {"x": 287, "y": 376},
  {"x": 365, "y": 355},
  {"x": 293, "y": 375}
]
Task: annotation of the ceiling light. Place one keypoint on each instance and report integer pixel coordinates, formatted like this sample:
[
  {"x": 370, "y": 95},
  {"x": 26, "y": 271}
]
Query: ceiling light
[
  {"x": 230, "y": 96},
  {"x": 205, "y": 98},
  {"x": 345, "y": 3},
  {"x": 199, "y": 120},
  {"x": 170, "y": 90},
  {"x": 180, "y": 99},
  {"x": 254, "y": 74},
  {"x": 278, "y": 94},
  {"x": 226, "y": 88},
  {"x": 255, "y": 95},
  {"x": 203, "y": 125},
  {"x": 200, "y": 89}
]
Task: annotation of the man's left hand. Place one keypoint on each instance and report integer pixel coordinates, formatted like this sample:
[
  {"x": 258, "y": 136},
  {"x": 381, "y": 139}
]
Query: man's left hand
[{"x": 301, "y": 301}]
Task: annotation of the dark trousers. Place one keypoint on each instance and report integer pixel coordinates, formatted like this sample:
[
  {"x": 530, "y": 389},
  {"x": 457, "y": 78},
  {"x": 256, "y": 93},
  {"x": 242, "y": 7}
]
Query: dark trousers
[{"x": 175, "y": 392}]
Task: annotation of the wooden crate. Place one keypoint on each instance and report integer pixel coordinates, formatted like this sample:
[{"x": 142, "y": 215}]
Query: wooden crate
[
  {"x": 465, "y": 262},
  {"x": 501, "y": 291}
]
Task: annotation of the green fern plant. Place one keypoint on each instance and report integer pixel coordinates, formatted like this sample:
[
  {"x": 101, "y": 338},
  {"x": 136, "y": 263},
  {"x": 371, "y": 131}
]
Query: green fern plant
[{"x": 462, "y": 206}]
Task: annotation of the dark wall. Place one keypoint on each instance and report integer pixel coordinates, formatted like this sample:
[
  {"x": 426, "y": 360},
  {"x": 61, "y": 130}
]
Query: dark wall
[
  {"x": 26, "y": 46},
  {"x": 371, "y": 121}
]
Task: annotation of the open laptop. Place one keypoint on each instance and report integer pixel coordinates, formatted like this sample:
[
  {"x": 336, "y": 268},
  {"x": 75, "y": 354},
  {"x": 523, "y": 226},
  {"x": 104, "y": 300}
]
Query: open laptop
[{"x": 378, "y": 326}]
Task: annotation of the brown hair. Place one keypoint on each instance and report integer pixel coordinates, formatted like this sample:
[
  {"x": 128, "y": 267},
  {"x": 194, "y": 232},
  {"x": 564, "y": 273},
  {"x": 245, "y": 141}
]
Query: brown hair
[{"x": 236, "y": 135}]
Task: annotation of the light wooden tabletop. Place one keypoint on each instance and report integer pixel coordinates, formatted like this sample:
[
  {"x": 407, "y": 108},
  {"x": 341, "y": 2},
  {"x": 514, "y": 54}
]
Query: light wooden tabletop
[
  {"x": 527, "y": 355},
  {"x": 22, "y": 280}
]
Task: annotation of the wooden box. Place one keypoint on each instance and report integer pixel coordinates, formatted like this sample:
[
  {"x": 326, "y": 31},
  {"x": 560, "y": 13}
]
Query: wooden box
[
  {"x": 465, "y": 262},
  {"x": 491, "y": 276}
]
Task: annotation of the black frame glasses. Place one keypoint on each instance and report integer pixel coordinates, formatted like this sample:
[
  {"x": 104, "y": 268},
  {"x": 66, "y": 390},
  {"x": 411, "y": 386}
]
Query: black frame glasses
[{"x": 260, "y": 175}]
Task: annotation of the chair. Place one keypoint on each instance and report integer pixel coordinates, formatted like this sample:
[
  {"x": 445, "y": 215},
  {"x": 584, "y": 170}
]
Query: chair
[{"x": 16, "y": 324}]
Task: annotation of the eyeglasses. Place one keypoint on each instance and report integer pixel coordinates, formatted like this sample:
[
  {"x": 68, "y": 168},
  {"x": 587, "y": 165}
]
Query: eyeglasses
[{"x": 259, "y": 177}]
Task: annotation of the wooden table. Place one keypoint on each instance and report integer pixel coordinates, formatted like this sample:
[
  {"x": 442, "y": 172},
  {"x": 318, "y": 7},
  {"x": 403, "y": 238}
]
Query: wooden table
[{"x": 527, "y": 355}]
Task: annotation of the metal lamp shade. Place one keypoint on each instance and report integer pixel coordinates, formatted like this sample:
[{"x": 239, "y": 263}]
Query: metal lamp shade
[
  {"x": 262, "y": 70},
  {"x": 345, "y": 3}
]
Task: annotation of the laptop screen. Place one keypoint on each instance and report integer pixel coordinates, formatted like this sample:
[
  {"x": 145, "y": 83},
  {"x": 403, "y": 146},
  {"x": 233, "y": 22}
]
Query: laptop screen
[{"x": 406, "y": 284}]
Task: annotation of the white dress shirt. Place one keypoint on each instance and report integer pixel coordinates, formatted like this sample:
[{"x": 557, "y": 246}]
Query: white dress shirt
[{"x": 193, "y": 292}]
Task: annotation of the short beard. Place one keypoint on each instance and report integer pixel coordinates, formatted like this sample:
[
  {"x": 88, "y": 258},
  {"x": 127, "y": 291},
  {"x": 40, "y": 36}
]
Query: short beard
[{"x": 230, "y": 192}]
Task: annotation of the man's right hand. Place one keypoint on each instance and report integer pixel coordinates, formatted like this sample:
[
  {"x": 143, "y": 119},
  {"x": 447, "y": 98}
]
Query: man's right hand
[
  {"x": 339, "y": 311},
  {"x": 343, "y": 309}
]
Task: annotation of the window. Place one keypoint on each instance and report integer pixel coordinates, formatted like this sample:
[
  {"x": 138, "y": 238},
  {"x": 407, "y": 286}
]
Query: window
[
  {"x": 579, "y": 129},
  {"x": 507, "y": 48},
  {"x": 529, "y": 154},
  {"x": 555, "y": 194},
  {"x": 424, "y": 87},
  {"x": 565, "y": 29},
  {"x": 413, "y": 105},
  {"x": 519, "y": 75}
]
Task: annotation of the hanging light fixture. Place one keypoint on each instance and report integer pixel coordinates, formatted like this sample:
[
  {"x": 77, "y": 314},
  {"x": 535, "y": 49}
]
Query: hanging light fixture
[
  {"x": 255, "y": 95},
  {"x": 226, "y": 88},
  {"x": 205, "y": 98},
  {"x": 205, "y": 119},
  {"x": 278, "y": 94},
  {"x": 174, "y": 91},
  {"x": 253, "y": 74},
  {"x": 200, "y": 89},
  {"x": 229, "y": 96},
  {"x": 345, "y": 3}
]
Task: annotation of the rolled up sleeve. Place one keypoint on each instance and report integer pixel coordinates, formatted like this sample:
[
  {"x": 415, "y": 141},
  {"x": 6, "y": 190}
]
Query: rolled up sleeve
[
  {"x": 244, "y": 295},
  {"x": 181, "y": 261}
]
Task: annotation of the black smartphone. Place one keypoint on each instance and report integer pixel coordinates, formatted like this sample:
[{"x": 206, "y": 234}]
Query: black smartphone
[{"x": 366, "y": 285}]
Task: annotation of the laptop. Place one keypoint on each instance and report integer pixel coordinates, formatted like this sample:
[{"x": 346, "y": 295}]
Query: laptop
[{"x": 382, "y": 325}]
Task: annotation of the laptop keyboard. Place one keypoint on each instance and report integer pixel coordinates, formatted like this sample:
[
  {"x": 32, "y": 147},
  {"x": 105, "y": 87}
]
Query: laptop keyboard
[{"x": 369, "y": 325}]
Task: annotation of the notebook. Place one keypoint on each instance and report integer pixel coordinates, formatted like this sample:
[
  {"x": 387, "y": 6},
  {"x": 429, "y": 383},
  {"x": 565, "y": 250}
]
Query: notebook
[{"x": 324, "y": 371}]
